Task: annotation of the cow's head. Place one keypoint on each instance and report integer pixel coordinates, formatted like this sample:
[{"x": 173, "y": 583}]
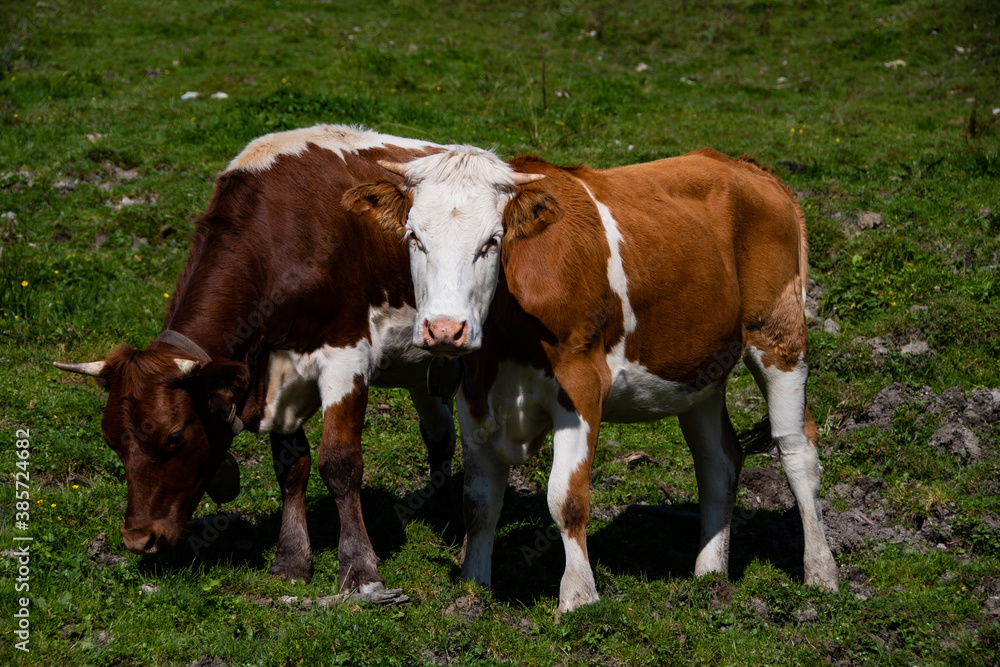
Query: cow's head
[
  {"x": 451, "y": 208},
  {"x": 170, "y": 421}
]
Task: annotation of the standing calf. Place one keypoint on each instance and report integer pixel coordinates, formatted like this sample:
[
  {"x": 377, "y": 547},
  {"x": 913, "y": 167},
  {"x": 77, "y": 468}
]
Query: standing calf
[{"x": 625, "y": 295}]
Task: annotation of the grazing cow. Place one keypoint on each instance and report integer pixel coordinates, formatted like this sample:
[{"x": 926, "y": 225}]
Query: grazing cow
[
  {"x": 626, "y": 295},
  {"x": 287, "y": 302}
]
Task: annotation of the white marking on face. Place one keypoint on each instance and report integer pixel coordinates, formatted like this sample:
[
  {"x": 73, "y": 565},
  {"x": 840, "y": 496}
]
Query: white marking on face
[
  {"x": 454, "y": 228},
  {"x": 260, "y": 154}
]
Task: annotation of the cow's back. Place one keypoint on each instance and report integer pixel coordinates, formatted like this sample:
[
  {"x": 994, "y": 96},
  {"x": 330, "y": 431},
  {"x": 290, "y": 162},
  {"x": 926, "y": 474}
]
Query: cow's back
[{"x": 276, "y": 239}]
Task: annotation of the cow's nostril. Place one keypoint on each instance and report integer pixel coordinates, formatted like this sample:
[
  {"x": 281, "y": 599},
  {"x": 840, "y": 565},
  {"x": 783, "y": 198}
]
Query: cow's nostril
[{"x": 139, "y": 541}]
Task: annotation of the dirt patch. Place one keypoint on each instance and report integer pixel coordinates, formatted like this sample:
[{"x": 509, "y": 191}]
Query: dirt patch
[
  {"x": 466, "y": 608},
  {"x": 524, "y": 485},
  {"x": 765, "y": 488},
  {"x": 961, "y": 416},
  {"x": 208, "y": 661},
  {"x": 720, "y": 593},
  {"x": 857, "y": 581},
  {"x": 958, "y": 440},
  {"x": 99, "y": 553}
]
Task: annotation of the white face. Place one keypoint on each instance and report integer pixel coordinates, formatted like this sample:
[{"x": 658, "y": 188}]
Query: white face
[{"x": 454, "y": 230}]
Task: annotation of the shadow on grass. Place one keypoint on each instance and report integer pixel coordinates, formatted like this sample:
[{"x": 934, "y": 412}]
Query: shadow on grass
[{"x": 528, "y": 555}]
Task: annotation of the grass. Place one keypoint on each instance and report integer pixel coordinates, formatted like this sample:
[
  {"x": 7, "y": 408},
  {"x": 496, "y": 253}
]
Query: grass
[{"x": 91, "y": 113}]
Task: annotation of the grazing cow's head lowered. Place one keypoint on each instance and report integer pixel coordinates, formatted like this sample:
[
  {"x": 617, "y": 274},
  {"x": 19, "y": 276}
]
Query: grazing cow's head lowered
[
  {"x": 453, "y": 209},
  {"x": 170, "y": 420}
]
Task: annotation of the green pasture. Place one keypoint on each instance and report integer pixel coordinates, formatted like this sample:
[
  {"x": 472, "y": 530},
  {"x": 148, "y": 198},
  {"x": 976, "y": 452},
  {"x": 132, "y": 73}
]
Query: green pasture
[{"x": 881, "y": 115}]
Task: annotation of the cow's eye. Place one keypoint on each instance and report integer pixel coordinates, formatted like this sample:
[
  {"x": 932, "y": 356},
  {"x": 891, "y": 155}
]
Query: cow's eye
[
  {"x": 412, "y": 238},
  {"x": 492, "y": 244},
  {"x": 175, "y": 440}
]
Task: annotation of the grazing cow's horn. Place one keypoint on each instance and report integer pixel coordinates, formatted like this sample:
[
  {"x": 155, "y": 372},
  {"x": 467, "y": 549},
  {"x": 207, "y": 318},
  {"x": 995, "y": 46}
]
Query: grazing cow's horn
[
  {"x": 524, "y": 179},
  {"x": 394, "y": 167},
  {"x": 188, "y": 367},
  {"x": 91, "y": 368}
]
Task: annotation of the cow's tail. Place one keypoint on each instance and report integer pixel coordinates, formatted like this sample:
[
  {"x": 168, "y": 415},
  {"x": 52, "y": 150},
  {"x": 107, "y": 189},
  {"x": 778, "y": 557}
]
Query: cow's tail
[
  {"x": 803, "y": 248},
  {"x": 756, "y": 439}
]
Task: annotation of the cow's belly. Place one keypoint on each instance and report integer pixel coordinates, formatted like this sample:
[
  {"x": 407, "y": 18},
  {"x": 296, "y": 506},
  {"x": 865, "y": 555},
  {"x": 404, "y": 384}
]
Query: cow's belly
[
  {"x": 299, "y": 383},
  {"x": 640, "y": 396},
  {"x": 520, "y": 402}
]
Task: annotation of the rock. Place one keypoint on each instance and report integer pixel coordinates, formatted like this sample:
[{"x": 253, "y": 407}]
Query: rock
[
  {"x": 918, "y": 347},
  {"x": 878, "y": 345},
  {"x": 868, "y": 220},
  {"x": 429, "y": 656},
  {"x": 65, "y": 186},
  {"x": 806, "y": 615},
  {"x": 831, "y": 327},
  {"x": 760, "y": 608},
  {"x": 959, "y": 440},
  {"x": 635, "y": 459},
  {"x": 149, "y": 589},
  {"x": 917, "y": 308}
]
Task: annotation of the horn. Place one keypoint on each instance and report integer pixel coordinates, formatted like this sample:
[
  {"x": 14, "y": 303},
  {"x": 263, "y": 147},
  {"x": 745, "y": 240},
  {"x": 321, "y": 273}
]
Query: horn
[
  {"x": 91, "y": 368},
  {"x": 524, "y": 179},
  {"x": 395, "y": 167},
  {"x": 188, "y": 367}
]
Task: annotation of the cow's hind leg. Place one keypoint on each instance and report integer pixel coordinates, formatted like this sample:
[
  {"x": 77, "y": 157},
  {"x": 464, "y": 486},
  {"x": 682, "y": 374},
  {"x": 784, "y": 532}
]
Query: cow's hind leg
[
  {"x": 437, "y": 427},
  {"x": 717, "y": 459},
  {"x": 342, "y": 468},
  {"x": 290, "y": 454},
  {"x": 485, "y": 483},
  {"x": 794, "y": 432}
]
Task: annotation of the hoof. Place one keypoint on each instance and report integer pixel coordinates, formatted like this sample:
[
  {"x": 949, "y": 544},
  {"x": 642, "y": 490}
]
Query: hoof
[{"x": 291, "y": 570}]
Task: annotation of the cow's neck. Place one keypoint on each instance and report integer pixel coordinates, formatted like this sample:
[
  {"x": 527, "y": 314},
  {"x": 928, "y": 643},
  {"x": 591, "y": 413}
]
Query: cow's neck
[{"x": 214, "y": 301}]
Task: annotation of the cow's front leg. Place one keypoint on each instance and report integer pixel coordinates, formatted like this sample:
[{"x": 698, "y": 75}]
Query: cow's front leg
[
  {"x": 342, "y": 467},
  {"x": 290, "y": 454},
  {"x": 569, "y": 502},
  {"x": 437, "y": 427},
  {"x": 485, "y": 483}
]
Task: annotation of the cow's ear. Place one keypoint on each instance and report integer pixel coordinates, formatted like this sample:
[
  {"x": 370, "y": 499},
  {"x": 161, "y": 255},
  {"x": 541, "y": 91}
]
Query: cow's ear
[
  {"x": 380, "y": 202},
  {"x": 226, "y": 383},
  {"x": 529, "y": 212}
]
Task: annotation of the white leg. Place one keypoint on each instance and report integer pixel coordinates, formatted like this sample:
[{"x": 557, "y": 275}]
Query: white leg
[
  {"x": 485, "y": 483},
  {"x": 786, "y": 406},
  {"x": 710, "y": 437},
  {"x": 569, "y": 503}
]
